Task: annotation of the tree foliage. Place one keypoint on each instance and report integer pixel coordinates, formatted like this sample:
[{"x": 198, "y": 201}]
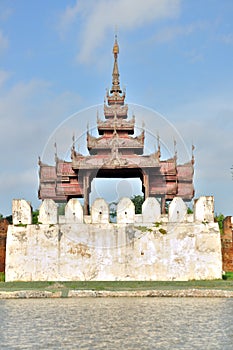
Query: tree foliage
[
  {"x": 137, "y": 201},
  {"x": 35, "y": 215},
  {"x": 219, "y": 218}
]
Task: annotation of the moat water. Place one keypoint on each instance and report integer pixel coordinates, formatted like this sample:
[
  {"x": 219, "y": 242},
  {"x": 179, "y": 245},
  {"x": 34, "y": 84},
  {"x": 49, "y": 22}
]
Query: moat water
[{"x": 117, "y": 323}]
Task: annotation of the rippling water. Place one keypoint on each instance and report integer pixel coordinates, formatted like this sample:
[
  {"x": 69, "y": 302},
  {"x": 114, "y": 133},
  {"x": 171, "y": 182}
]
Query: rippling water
[{"x": 117, "y": 323}]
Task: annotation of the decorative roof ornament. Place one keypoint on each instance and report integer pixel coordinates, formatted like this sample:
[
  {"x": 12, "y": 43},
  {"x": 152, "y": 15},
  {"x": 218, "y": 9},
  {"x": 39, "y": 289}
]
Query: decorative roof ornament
[
  {"x": 175, "y": 150},
  {"x": 97, "y": 117},
  {"x": 193, "y": 159},
  {"x": 55, "y": 153},
  {"x": 73, "y": 141},
  {"x": 73, "y": 152},
  {"x": 158, "y": 145},
  {"x": 115, "y": 73}
]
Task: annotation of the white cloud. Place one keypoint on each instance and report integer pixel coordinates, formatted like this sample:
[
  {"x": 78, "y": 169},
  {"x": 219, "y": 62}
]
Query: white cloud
[
  {"x": 100, "y": 16},
  {"x": 3, "y": 42},
  {"x": 5, "y": 13},
  {"x": 4, "y": 75},
  {"x": 226, "y": 38},
  {"x": 169, "y": 33},
  {"x": 194, "y": 55},
  {"x": 68, "y": 17}
]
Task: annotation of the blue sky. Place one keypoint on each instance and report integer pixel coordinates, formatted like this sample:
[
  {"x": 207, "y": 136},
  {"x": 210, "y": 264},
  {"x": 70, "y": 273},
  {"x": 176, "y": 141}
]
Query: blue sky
[{"x": 56, "y": 60}]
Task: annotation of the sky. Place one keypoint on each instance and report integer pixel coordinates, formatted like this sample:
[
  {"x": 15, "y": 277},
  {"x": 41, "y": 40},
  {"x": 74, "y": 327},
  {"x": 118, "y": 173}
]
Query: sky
[{"x": 175, "y": 62}]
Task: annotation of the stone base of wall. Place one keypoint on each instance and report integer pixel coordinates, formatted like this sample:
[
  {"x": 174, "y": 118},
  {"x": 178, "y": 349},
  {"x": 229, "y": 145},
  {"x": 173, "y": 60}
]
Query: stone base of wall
[{"x": 108, "y": 252}]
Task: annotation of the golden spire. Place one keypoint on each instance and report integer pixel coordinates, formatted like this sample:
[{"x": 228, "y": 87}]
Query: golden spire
[
  {"x": 115, "y": 72},
  {"x": 115, "y": 49}
]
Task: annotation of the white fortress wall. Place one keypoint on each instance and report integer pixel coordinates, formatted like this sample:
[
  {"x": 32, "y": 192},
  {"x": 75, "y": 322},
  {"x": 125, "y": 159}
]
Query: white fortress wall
[{"x": 150, "y": 246}]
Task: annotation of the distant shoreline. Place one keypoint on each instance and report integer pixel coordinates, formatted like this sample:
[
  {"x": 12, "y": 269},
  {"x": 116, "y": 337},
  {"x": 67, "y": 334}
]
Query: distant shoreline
[{"x": 179, "y": 293}]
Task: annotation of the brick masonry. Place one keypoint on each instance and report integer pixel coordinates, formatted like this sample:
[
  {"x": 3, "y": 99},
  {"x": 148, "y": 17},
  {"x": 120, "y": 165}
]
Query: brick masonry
[
  {"x": 227, "y": 244},
  {"x": 3, "y": 232}
]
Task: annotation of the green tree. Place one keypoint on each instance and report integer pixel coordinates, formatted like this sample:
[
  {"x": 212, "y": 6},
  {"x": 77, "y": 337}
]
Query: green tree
[
  {"x": 35, "y": 215},
  {"x": 219, "y": 218},
  {"x": 9, "y": 219},
  {"x": 61, "y": 208},
  {"x": 189, "y": 210},
  {"x": 137, "y": 201}
]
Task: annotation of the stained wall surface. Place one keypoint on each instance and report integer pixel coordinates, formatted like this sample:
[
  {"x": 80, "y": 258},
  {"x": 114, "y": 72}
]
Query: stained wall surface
[{"x": 157, "y": 250}]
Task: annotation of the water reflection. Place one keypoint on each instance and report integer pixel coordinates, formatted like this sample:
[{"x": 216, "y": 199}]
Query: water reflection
[{"x": 117, "y": 323}]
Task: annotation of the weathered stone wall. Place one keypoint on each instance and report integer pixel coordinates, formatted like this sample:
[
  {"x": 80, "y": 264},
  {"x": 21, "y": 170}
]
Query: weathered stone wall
[
  {"x": 227, "y": 244},
  {"x": 3, "y": 232},
  {"x": 137, "y": 247}
]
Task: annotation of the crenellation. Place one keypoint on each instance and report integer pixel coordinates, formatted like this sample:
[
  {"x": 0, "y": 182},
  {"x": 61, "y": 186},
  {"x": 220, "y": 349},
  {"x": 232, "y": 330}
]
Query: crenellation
[
  {"x": 100, "y": 212},
  {"x": 21, "y": 212},
  {"x": 177, "y": 210},
  {"x": 74, "y": 212},
  {"x": 151, "y": 210},
  {"x": 125, "y": 211},
  {"x": 48, "y": 212},
  {"x": 204, "y": 209}
]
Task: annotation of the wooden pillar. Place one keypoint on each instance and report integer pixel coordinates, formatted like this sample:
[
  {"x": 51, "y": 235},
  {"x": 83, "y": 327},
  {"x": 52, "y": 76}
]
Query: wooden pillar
[
  {"x": 163, "y": 205},
  {"x": 86, "y": 185},
  {"x": 146, "y": 185}
]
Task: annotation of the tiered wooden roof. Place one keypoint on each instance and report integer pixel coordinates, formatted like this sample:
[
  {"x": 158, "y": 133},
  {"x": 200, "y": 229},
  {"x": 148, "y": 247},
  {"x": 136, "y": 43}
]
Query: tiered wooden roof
[{"x": 116, "y": 152}]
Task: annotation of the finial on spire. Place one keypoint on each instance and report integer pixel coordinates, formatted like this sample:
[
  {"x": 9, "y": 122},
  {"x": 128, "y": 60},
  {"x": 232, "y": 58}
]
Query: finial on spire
[
  {"x": 97, "y": 116},
  {"x": 115, "y": 72},
  {"x": 115, "y": 47},
  {"x": 73, "y": 141},
  {"x": 55, "y": 146},
  {"x": 158, "y": 145},
  {"x": 175, "y": 150}
]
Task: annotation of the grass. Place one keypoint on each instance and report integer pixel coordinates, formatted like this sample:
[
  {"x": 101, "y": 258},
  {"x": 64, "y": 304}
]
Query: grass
[
  {"x": 118, "y": 285},
  {"x": 2, "y": 277},
  {"x": 224, "y": 284},
  {"x": 229, "y": 275}
]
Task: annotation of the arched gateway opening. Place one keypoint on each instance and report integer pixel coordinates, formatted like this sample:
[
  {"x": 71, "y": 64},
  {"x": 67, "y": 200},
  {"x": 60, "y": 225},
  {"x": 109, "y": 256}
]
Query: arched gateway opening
[
  {"x": 116, "y": 153},
  {"x": 112, "y": 189},
  {"x": 113, "y": 184}
]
